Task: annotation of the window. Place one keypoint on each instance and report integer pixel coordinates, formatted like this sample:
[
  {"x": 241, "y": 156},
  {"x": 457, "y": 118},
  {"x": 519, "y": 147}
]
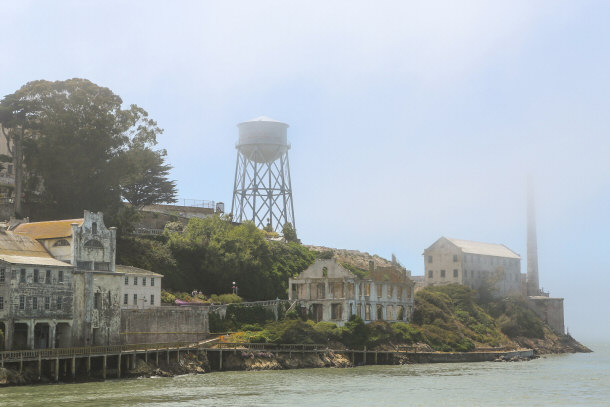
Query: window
[
  {"x": 367, "y": 312},
  {"x": 135, "y": 281},
  {"x": 2, "y": 276},
  {"x": 143, "y": 280},
  {"x": 455, "y": 273},
  {"x": 83, "y": 265},
  {"x": 336, "y": 311},
  {"x": 60, "y": 276},
  {"x": 94, "y": 228},
  {"x": 93, "y": 244},
  {"x": 48, "y": 277},
  {"x": 126, "y": 299},
  {"x": 102, "y": 266},
  {"x": 47, "y": 303},
  {"x": 430, "y": 273},
  {"x": 442, "y": 273},
  {"x": 399, "y": 289},
  {"x": 59, "y": 301},
  {"x": 1, "y": 303},
  {"x": 126, "y": 280},
  {"x": 152, "y": 281},
  {"x": 135, "y": 299},
  {"x": 22, "y": 302},
  {"x": 152, "y": 299},
  {"x": 379, "y": 290},
  {"x": 61, "y": 242},
  {"x": 36, "y": 275},
  {"x": 97, "y": 300},
  {"x": 367, "y": 289},
  {"x": 455, "y": 257},
  {"x": 34, "y": 302},
  {"x": 22, "y": 276},
  {"x": 429, "y": 259}
]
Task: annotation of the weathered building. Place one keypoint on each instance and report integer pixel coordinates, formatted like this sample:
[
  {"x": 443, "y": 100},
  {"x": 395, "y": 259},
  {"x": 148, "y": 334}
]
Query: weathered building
[
  {"x": 90, "y": 248},
  {"x": 329, "y": 291},
  {"x": 454, "y": 261},
  {"x": 141, "y": 289},
  {"x": 36, "y": 295}
]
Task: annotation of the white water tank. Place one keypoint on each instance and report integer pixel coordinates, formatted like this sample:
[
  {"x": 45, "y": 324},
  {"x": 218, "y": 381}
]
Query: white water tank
[{"x": 263, "y": 139}]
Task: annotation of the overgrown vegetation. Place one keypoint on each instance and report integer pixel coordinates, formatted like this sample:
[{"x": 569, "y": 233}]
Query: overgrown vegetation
[{"x": 209, "y": 254}]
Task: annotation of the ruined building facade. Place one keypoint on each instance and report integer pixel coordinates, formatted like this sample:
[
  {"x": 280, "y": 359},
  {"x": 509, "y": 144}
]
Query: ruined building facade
[{"x": 329, "y": 291}]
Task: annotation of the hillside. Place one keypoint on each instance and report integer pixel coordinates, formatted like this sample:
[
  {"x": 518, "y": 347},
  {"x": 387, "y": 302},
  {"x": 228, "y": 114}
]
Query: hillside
[{"x": 353, "y": 257}]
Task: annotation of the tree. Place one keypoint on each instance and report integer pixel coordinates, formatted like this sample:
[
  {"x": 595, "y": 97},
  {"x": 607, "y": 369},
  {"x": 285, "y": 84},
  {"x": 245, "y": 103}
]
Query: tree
[
  {"x": 13, "y": 121},
  {"x": 74, "y": 130},
  {"x": 290, "y": 233},
  {"x": 144, "y": 177}
]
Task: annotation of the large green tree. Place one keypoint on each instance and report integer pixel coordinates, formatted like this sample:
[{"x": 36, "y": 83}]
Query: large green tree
[{"x": 77, "y": 138}]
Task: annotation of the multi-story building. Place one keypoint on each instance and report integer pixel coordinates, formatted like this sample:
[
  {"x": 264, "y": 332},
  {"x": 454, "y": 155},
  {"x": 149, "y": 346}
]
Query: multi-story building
[
  {"x": 141, "y": 288},
  {"x": 329, "y": 291},
  {"x": 473, "y": 264},
  {"x": 36, "y": 295}
]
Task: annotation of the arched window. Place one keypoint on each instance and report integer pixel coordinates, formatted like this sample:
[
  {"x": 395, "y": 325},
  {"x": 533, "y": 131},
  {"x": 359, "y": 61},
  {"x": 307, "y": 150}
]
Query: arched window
[
  {"x": 61, "y": 242},
  {"x": 94, "y": 228},
  {"x": 94, "y": 244}
]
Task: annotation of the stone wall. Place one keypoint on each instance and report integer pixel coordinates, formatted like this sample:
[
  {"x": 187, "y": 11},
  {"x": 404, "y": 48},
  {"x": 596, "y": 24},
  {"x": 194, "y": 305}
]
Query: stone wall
[
  {"x": 164, "y": 324},
  {"x": 550, "y": 310}
]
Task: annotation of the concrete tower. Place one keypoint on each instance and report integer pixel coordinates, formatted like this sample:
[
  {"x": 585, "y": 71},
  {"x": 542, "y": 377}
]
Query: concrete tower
[
  {"x": 262, "y": 190},
  {"x": 532, "y": 281}
]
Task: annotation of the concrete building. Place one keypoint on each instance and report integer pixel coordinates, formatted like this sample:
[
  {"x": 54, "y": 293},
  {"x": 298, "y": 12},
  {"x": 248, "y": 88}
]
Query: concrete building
[
  {"x": 329, "y": 291},
  {"x": 36, "y": 295},
  {"x": 141, "y": 289},
  {"x": 449, "y": 261}
]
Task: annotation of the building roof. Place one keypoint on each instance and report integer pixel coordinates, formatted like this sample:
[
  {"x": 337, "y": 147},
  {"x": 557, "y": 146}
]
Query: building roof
[
  {"x": 54, "y": 229},
  {"x": 487, "y": 249},
  {"x": 19, "y": 249},
  {"x": 135, "y": 270}
]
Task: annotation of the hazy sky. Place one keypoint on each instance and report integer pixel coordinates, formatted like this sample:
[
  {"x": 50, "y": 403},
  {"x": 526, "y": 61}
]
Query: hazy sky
[{"x": 408, "y": 120}]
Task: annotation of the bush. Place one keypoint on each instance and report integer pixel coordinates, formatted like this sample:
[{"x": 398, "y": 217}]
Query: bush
[{"x": 251, "y": 327}]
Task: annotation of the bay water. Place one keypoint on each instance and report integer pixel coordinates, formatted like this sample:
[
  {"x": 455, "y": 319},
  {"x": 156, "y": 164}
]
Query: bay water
[{"x": 561, "y": 380}]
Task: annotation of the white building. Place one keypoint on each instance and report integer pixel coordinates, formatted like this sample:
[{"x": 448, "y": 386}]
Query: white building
[
  {"x": 140, "y": 289},
  {"x": 472, "y": 264}
]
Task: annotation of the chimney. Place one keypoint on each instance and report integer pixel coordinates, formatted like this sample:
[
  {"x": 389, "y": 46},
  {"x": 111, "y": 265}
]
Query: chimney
[{"x": 532, "y": 282}]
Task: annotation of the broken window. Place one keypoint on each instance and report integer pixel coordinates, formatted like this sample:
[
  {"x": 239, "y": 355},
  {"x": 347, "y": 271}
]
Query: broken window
[
  {"x": 336, "y": 311},
  {"x": 389, "y": 313},
  {"x": 401, "y": 313},
  {"x": 338, "y": 290},
  {"x": 97, "y": 301},
  {"x": 36, "y": 275},
  {"x": 350, "y": 290},
  {"x": 59, "y": 301},
  {"x": 61, "y": 242},
  {"x": 379, "y": 312},
  {"x": 102, "y": 266},
  {"x": 83, "y": 265},
  {"x": 399, "y": 289},
  {"x": 135, "y": 299},
  {"x": 324, "y": 271},
  {"x": 60, "y": 276},
  {"x": 367, "y": 289},
  {"x": 47, "y": 278},
  {"x": 320, "y": 291},
  {"x": 22, "y": 276},
  {"x": 379, "y": 290},
  {"x": 94, "y": 244},
  {"x": 367, "y": 312}
]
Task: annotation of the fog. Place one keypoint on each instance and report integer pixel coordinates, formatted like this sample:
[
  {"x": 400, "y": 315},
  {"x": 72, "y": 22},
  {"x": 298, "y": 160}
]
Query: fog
[{"x": 408, "y": 120}]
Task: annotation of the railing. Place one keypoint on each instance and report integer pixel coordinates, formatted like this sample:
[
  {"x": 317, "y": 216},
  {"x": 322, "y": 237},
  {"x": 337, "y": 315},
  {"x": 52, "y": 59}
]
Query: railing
[
  {"x": 197, "y": 203},
  {"x": 271, "y": 346},
  {"x": 17, "y": 355},
  {"x": 147, "y": 231}
]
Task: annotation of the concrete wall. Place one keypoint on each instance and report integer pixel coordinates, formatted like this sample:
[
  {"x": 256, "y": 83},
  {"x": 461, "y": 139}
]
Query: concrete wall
[
  {"x": 550, "y": 310},
  {"x": 97, "y": 323},
  {"x": 164, "y": 324},
  {"x": 91, "y": 231},
  {"x": 142, "y": 290}
]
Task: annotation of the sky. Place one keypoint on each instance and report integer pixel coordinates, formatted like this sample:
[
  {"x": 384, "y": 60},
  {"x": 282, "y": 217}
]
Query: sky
[{"x": 409, "y": 120}]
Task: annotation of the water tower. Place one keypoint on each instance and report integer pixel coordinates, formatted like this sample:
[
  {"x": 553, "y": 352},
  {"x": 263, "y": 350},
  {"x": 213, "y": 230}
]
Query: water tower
[{"x": 262, "y": 191}]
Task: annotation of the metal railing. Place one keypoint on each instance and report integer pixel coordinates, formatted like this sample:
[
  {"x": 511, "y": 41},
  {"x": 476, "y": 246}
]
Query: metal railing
[
  {"x": 17, "y": 355},
  {"x": 299, "y": 347}
]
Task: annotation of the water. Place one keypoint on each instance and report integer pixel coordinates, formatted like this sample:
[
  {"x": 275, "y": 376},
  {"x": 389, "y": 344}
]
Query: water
[{"x": 564, "y": 380}]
